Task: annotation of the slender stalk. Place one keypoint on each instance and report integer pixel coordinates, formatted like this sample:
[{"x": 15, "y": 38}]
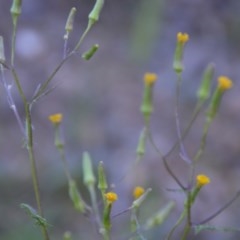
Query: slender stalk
[
  {"x": 30, "y": 149},
  {"x": 164, "y": 159},
  {"x": 44, "y": 86},
  {"x": 186, "y": 231},
  {"x": 203, "y": 140},
  {"x": 34, "y": 173},
  {"x": 82, "y": 37},
  {"x": 13, "y": 41},
  {"x": 225, "y": 206},
  {"x": 181, "y": 218},
  {"x": 196, "y": 111},
  {"x": 10, "y": 100},
  {"x": 182, "y": 151}
]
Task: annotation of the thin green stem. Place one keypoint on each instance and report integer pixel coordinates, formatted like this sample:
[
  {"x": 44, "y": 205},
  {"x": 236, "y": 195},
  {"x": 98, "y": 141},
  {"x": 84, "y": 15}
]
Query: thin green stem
[
  {"x": 89, "y": 26},
  {"x": 225, "y": 206},
  {"x": 13, "y": 41},
  {"x": 94, "y": 204},
  {"x": 181, "y": 218},
  {"x": 34, "y": 173},
  {"x": 203, "y": 140},
  {"x": 196, "y": 111},
  {"x": 44, "y": 86},
  {"x": 186, "y": 231},
  {"x": 30, "y": 149}
]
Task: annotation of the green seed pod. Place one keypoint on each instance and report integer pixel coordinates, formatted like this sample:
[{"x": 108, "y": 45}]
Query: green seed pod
[
  {"x": 16, "y": 7},
  {"x": 159, "y": 217},
  {"x": 75, "y": 196},
  {"x": 214, "y": 104},
  {"x": 70, "y": 21},
  {"x": 141, "y": 143},
  {"x": 102, "y": 182},
  {"x": 88, "y": 175},
  {"x": 94, "y": 14},
  {"x": 2, "y": 55},
  {"x": 89, "y": 54},
  {"x": 205, "y": 87},
  {"x": 107, "y": 217}
]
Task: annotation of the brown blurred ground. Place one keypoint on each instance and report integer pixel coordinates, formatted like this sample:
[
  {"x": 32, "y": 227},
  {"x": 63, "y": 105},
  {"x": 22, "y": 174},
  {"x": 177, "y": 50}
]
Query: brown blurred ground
[{"x": 100, "y": 102}]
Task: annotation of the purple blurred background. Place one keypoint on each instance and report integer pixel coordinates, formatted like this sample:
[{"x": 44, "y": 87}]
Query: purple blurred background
[{"x": 100, "y": 102}]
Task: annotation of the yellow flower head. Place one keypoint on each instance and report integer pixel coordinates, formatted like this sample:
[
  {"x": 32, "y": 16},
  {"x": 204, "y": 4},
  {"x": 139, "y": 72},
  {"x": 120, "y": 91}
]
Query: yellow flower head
[
  {"x": 55, "y": 118},
  {"x": 111, "y": 197},
  {"x": 224, "y": 83},
  {"x": 150, "y": 78},
  {"x": 202, "y": 180},
  {"x": 138, "y": 192},
  {"x": 182, "y": 37}
]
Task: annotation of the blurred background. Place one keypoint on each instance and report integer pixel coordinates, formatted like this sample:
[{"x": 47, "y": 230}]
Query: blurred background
[{"x": 100, "y": 102}]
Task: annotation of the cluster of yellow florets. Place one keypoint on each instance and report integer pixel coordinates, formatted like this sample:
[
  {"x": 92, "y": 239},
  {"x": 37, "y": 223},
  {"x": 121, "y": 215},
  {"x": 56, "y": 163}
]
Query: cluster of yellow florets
[
  {"x": 150, "y": 78},
  {"x": 202, "y": 180},
  {"x": 138, "y": 192},
  {"x": 224, "y": 83},
  {"x": 111, "y": 197},
  {"x": 55, "y": 118},
  {"x": 182, "y": 37}
]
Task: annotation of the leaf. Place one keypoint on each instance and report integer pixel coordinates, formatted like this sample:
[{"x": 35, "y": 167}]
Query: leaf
[
  {"x": 206, "y": 227},
  {"x": 31, "y": 212}
]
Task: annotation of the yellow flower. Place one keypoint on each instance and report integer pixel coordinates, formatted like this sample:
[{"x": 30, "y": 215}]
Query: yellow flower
[
  {"x": 138, "y": 192},
  {"x": 150, "y": 78},
  {"x": 182, "y": 37},
  {"x": 55, "y": 118},
  {"x": 224, "y": 83},
  {"x": 111, "y": 197},
  {"x": 202, "y": 180}
]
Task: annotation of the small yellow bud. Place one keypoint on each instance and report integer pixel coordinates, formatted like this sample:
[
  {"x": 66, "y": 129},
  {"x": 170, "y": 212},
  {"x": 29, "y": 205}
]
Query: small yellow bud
[
  {"x": 150, "y": 78},
  {"x": 55, "y": 118},
  {"x": 202, "y": 180},
  {"x": 182, "y": 37},
  {"x": 138, "y": 192},
  {"x": 224, "y": 83},
  {"x": 111, "y": 197}
]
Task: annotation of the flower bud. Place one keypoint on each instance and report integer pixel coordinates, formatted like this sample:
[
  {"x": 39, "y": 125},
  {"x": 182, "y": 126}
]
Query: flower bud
[
  {"x": 94, "y": 14},
  {"x": 2, "y": 55},
  {"x": 159, "y": 217},
  {"x": 88, "y": 55},
  {"x": 88, "y": 175},
  {"x": 69, "y": 23},
  {"x": 16, "y": 10},
  {"x": 205, "y": 87},
  {"x": 102, "y": 182},
  {"x": 224, "y": 83},
  {"x": 182, "y": 38},
  {"x": 147, "y": 102},
  {"x": 16, "y": 7},
  {"x": 141, "y": 143},
  {"x": 76, "y": 197},
  {"x": 111, "y": 197}
]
